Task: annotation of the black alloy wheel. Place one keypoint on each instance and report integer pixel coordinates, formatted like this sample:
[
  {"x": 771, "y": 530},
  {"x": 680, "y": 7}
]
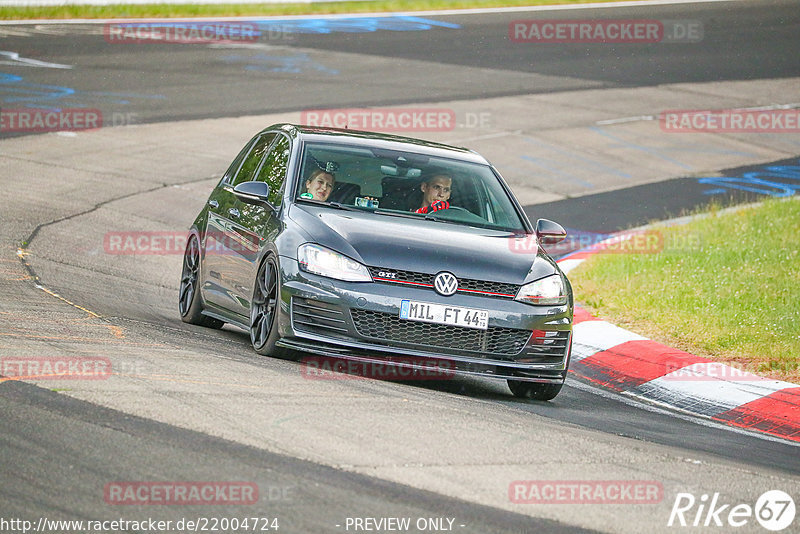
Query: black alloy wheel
[{"x": 189, "y": 300}]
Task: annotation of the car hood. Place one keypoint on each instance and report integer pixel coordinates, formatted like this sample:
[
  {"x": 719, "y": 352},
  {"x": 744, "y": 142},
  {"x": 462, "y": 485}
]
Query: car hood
[{"x": 425, "y": 246}]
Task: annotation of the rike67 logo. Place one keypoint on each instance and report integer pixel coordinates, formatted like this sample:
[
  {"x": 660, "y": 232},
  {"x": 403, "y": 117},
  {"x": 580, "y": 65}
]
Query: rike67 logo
[{"x": 774, "y": 510}]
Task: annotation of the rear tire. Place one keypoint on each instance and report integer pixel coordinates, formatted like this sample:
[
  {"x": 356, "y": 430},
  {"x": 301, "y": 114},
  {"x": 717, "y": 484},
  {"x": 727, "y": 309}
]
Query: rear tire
[
  {"x": 190, "y": 303},
  {"x": 534, "y": 390}
]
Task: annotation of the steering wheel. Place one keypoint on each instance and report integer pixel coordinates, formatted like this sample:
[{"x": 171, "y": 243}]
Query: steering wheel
[{"x": 459, "y": 208}]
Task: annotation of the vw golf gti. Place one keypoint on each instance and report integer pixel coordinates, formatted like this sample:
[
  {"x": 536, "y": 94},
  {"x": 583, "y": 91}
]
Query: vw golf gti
[{"x": 383, "y": 249}]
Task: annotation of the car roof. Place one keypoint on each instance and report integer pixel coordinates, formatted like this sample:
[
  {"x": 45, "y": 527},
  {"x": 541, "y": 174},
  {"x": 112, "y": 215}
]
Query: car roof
[{"x": 378, "y": 140}]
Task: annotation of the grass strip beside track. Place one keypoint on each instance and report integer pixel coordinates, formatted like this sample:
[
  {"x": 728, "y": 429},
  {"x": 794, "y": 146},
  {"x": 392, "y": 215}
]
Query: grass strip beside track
[
  {"x": 726, "y": 287},
  {"x": 234, "y": 10}
]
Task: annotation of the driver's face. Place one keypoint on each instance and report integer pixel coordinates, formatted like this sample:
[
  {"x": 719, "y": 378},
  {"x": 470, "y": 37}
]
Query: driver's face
[
  {"x": 320, "y": 186},
  {"x": 437, "y": 188}
]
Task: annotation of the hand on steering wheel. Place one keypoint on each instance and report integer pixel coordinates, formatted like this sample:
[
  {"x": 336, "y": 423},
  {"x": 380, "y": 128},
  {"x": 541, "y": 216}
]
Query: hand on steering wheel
[{"x": 435, "y": 206}]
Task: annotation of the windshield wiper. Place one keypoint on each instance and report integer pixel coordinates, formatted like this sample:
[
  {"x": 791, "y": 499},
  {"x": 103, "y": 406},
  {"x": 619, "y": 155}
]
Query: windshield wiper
[
  {"x": 335, "y": 205},
  {"x": 395, "y": 213},
  {"x": 341, "y": 206},
  {"x": 434, "y": 218}
]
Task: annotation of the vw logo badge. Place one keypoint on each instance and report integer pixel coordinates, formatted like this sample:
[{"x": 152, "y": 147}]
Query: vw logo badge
[{"x": 445, "y": 283}]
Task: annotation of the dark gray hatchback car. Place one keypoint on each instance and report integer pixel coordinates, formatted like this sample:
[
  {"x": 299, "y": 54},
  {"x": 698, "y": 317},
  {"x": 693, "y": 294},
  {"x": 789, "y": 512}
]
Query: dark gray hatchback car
[{"x": 380, "y": 249}]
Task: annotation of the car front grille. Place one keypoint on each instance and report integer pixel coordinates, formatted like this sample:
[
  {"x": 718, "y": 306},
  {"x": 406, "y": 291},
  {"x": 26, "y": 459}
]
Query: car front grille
[
  {"x": 387, "y": 327},
  {"x": 318, "y": 317},
  {"x": 465, "y": 285}
]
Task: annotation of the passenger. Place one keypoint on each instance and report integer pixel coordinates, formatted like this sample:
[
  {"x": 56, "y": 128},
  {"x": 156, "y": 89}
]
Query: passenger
[
  {"x": 319, "y": 185},
  {"x": 436, "y": 193}
]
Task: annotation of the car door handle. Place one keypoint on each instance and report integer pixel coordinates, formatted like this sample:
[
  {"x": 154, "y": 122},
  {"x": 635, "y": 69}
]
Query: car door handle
[
  {"x": 213, "y": 203},
  {"x": 233, "y": 212}
]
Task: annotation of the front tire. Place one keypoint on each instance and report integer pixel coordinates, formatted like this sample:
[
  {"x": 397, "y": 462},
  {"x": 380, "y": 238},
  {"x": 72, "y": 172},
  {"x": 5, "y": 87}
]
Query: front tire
[
  {"x": 264, "y": 308},
  {"x": 534, "y": 390},
  {"x": 190, "y": 303}
]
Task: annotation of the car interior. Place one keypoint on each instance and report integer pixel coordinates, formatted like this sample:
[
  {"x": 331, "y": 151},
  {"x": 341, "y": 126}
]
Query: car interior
[{"x": 391, "y": 181}]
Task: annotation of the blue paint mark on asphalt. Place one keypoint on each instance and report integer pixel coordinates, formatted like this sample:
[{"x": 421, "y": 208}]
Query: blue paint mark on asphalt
[
  {"x": 14, "y": 89},
  {"x": 772, "y": 181},
  {"x": 296, "y": 63},
  {"x": 395, "y": 23},
  {"x": 17, "y": 90},
  {"x": 352, "y": 24}
]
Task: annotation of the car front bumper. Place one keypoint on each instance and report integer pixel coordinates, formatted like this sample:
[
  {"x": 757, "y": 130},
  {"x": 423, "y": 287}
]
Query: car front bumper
[{"x": 359, "y": 321}]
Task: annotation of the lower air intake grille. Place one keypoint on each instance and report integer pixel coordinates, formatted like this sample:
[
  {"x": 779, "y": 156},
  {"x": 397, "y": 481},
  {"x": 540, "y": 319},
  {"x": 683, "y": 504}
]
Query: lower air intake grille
[
  {"x": 546, "y": 346},
  {"x": 317, "y": 317},
  {"x": 389, "y": 327}
]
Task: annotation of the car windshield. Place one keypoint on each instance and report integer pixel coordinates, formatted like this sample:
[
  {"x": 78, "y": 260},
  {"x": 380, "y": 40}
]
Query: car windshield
[{"x": 389, "y": 182}]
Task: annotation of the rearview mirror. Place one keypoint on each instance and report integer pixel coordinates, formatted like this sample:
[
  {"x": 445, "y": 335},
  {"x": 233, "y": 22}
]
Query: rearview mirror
[
  {"x": 394, "y": 170},
  {"x": 549, "y": 232}
]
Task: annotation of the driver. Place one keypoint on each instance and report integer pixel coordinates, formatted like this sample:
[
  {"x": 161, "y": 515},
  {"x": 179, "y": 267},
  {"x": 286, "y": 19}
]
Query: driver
[
  {"x": 319, "y": 185},
  {"x": 436, "y": 193}
]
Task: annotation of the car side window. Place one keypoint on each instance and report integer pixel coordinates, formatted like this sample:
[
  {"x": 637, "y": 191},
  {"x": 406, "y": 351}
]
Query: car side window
[
  {"x": 273, "y": 170},
  {"x": 237, "y": 162},
  {"x": 250, "y": 164}
]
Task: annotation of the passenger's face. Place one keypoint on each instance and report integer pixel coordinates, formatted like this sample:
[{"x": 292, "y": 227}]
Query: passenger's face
[
  {"x": 437, "y": 188},
  {"x": 320, "y": 186}
]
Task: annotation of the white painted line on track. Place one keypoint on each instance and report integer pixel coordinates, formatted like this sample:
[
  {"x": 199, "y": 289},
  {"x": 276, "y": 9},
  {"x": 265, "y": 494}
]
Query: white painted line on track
[{"x": 626, "y": 119}]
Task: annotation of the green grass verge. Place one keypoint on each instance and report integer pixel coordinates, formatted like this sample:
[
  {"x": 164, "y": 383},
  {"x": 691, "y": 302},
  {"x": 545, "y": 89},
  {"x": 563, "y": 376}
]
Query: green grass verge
[
  {"x": 232, "y": 10},
  {"x": 726, "y": 287}
]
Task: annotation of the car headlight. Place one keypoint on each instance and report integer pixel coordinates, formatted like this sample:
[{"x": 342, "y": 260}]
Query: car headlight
[
  {"x": 325, "y": 262},
  {"x": 548, "y": 291}
]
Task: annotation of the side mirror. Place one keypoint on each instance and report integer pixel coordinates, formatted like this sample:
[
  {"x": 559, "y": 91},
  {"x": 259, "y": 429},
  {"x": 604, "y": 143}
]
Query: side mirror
[
  {"x": 256, "y": 193},
  {"x": 549, "y": 232}
]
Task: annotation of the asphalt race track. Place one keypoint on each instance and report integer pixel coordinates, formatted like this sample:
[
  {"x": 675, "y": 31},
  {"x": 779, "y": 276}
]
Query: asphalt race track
[{"x": 574, "y": 129}]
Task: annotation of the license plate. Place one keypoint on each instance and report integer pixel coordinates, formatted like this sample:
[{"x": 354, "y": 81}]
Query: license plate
[{"x": 427, "y": 312}]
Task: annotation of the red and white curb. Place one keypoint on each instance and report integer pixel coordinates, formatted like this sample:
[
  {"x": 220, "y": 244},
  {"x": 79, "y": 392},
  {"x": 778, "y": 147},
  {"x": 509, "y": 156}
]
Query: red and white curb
[{"x": 623, "y": 361}]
